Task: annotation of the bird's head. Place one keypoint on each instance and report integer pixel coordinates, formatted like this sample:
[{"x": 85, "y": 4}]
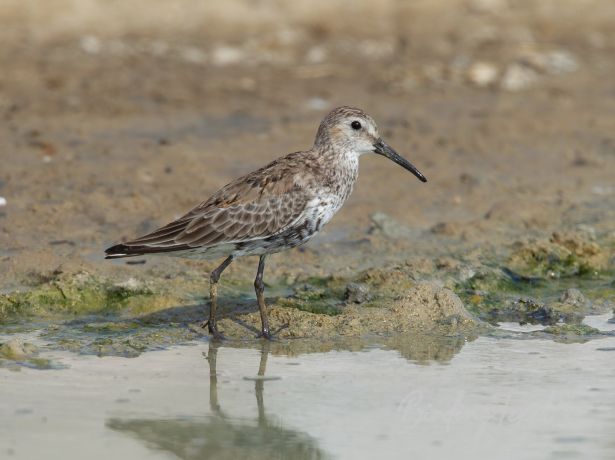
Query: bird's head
[{"x": 348, "y": 129}]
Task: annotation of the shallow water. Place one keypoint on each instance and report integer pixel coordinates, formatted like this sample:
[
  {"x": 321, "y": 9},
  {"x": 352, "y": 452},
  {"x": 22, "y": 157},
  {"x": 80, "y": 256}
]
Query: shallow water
[{"x": 514, "y": 397}]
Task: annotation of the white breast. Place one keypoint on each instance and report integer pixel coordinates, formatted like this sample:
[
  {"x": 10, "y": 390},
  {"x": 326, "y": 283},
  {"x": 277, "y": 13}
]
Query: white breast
[
  {"x": 329, "y": 200},
  {"x": 321, "y": 210}
]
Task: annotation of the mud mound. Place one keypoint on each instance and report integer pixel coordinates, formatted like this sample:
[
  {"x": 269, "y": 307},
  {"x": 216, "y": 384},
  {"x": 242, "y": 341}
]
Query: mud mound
[{"x": 426, "y": 308}]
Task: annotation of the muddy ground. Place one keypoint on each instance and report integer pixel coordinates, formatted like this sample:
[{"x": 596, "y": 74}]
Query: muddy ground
[{"x": 114, "y": 123}]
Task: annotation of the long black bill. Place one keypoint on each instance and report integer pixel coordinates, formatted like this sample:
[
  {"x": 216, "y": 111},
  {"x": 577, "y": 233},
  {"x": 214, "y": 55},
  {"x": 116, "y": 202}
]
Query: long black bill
[{"x": 381, "y": 148}]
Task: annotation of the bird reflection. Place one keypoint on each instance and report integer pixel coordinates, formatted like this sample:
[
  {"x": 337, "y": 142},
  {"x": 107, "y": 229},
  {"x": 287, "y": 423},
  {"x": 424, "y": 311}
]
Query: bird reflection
[
  {"x": 259, "y": 382},
  {"x": 220, "y": 436}
]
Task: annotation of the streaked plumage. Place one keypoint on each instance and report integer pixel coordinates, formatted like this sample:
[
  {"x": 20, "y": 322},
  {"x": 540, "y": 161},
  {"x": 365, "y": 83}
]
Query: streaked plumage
[{"x": 277, "y": 207}]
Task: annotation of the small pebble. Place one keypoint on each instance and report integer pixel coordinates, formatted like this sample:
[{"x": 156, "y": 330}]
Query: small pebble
[
  {"x": 562, "y": 62},
  {"x": 518, "y": 77},
  {"x": 602, "y": 190},
  {"x": 225, "y": 55},
  {"x": 483, "y": 74},
  {"x": 384, "y": 224},
  {"x": 357, "y": 293},
  {"x": 316, "y": 55},
  {"x": 317, "y": 103},
  {"x": 573, "y": 296},
  {"x": 2, "y": 201},
  {"x": 554, "y": 62}
]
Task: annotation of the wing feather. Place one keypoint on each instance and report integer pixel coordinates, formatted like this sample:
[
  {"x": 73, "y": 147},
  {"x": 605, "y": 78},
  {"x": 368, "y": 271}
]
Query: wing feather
[{"x": 255, "y": 206}]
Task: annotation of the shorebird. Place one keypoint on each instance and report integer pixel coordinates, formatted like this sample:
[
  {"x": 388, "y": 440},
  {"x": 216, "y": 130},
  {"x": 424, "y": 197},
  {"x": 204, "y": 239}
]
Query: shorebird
[{"x": 277, "y": 207}]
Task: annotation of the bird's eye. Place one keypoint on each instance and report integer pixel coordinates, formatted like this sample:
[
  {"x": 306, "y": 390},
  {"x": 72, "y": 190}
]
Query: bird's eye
[{"x": 355, "y": 125}]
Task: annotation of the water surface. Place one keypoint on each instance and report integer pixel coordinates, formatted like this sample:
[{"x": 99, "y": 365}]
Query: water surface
[{"x": 505, "y": 398}]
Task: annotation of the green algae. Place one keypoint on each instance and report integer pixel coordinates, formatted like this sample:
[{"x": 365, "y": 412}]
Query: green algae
[
  {"x": 117, "y": 338},
  {"x": 328, "y": 295},
  {"x": 316, "y": 295},
  {"x": 502, "y": 294},
  {"x": 562, "y": 255},
  {"x": 321, "y": 307},
  {"x": 571, "y": 333},
  {"x": 85, "y": 314},
  {"x": 127, "y": 318},
  {"x": 15, "y": 354},
  {"x": 528, "y": 310},
  {"x": 80, "y": 294},
  {"x": 388, "y": 283},
  {"x": 571, "y": 329},
  {"x": 14, "y": 350}
]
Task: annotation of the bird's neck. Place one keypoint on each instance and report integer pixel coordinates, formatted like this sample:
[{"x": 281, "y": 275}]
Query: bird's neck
[{"x": 341, "y": 172}]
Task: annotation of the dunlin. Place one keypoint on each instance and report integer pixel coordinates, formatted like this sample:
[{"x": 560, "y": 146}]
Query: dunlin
[{"x": 276, "y": 207}]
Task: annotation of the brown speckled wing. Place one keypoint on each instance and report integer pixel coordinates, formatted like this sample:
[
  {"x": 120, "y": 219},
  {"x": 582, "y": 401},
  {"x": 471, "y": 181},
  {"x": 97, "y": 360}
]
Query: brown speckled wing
[{"x": 255, "y": 206}]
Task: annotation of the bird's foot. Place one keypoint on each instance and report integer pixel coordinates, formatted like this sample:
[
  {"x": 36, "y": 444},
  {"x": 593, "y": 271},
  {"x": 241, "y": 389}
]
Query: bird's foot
[
  {"x": 265, "y": 334},
  {"x": 213, "y": 330}
]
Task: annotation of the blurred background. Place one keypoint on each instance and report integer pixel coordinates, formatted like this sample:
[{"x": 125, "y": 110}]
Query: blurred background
[{"x": 120, "y": 115}]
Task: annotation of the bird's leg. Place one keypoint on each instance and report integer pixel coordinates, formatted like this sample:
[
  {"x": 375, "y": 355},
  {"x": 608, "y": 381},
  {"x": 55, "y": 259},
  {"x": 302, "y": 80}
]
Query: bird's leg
[
  {"x": 211, "y": 323},
  {"x": 259, "y": 287}
]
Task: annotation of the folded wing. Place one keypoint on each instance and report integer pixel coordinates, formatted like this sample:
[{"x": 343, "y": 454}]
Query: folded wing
[{"x": 256, "y": 206}]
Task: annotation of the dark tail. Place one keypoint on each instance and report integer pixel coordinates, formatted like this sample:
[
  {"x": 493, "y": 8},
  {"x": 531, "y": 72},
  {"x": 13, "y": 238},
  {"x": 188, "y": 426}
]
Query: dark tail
[{"x": 121, "y": 250}]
